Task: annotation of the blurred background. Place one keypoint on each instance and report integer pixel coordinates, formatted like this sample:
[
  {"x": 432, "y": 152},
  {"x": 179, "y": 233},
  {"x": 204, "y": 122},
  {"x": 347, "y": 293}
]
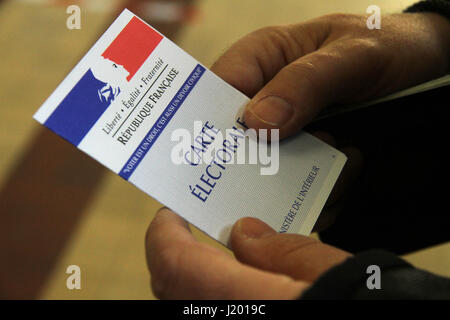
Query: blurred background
[{"x": 57, "y": 206}]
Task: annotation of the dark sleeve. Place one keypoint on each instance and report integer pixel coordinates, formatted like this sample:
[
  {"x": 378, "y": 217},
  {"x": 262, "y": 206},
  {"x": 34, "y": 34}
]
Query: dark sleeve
[
  {"x": 398, "y": 280},
  {"x": 441, "y": 7}
]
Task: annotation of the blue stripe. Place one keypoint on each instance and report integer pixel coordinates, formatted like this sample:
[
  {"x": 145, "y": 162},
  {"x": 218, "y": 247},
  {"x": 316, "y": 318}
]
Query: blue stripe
[
  {"x": 161, "y": 123},
  {"x": 79, "y": 110}
]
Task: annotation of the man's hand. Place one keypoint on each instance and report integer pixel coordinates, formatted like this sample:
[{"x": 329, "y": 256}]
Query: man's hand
[
  {"x": 269, "y": 265},
  {"x": 294, "y": 71}
]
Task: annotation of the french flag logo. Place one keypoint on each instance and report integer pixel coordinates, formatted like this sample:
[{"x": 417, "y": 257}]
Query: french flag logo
[{"x": 104, "y": 81}]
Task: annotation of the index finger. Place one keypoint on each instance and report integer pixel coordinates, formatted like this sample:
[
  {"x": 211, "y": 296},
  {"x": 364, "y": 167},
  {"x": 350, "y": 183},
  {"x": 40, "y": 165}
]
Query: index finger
[
  {"x": 256, "y": 58},
  {"x": 183, "y": 268}
]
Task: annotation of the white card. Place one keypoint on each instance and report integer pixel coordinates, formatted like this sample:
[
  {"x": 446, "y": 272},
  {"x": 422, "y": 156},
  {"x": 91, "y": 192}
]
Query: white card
[{"x": 130, "y": 99}]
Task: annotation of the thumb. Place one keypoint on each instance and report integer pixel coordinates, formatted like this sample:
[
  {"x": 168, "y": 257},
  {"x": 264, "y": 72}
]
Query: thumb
[
  {"x": 337, "y": 72},
  {"x": 303, "y": 258}
]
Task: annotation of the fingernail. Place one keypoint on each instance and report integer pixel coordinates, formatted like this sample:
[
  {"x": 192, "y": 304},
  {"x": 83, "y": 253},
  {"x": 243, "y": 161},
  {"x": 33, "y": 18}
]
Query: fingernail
[
  {"x": 254, "y": 228},
  {"x": 273, "y": 110}
]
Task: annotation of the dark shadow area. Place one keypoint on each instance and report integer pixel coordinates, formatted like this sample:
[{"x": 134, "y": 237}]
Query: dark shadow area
[{"x": 399, "y": 202}]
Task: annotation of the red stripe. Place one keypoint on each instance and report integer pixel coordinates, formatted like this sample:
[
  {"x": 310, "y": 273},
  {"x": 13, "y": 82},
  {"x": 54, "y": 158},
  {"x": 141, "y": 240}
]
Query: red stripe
[{"x": 133, "y": 45}]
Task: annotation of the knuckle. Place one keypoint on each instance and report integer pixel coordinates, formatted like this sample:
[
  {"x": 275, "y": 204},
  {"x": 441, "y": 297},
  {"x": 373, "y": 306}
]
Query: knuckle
[
  {"x": 276, "y": 35},
  {"x": 372, "y": 49},
  {"x": 365, "y": 45},
  {"x": 267, "y": 31},
  {"x": 307, "y": 70},
  {"x": 285, "y": 39},
  {"x": 311, "y": 36}
]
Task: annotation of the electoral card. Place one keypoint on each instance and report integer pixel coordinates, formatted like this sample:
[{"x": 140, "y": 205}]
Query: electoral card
[{"x": 151, "y": 113}]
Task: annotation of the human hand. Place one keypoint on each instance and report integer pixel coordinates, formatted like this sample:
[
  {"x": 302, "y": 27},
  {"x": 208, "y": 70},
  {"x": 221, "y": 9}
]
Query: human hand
[
  {"x": 294, "y": 71},
  {"x": 268, "y": 265},
  {"x": 332, "y": 59}
]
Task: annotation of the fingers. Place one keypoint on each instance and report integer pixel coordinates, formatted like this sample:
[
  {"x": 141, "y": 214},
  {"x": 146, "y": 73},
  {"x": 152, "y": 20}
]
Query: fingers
[
  {"x": 166, "y": 236},
  {"x": 293, "y": 72},
  {"x": 256, "y": 244},
  {"x": 182, "y": 268},
  {"x": 303, "y": 88},
  {"x": 256, "y": 58}
]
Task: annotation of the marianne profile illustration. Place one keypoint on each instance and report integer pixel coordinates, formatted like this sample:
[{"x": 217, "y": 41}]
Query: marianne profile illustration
[{"x": 112, "y": 75}]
